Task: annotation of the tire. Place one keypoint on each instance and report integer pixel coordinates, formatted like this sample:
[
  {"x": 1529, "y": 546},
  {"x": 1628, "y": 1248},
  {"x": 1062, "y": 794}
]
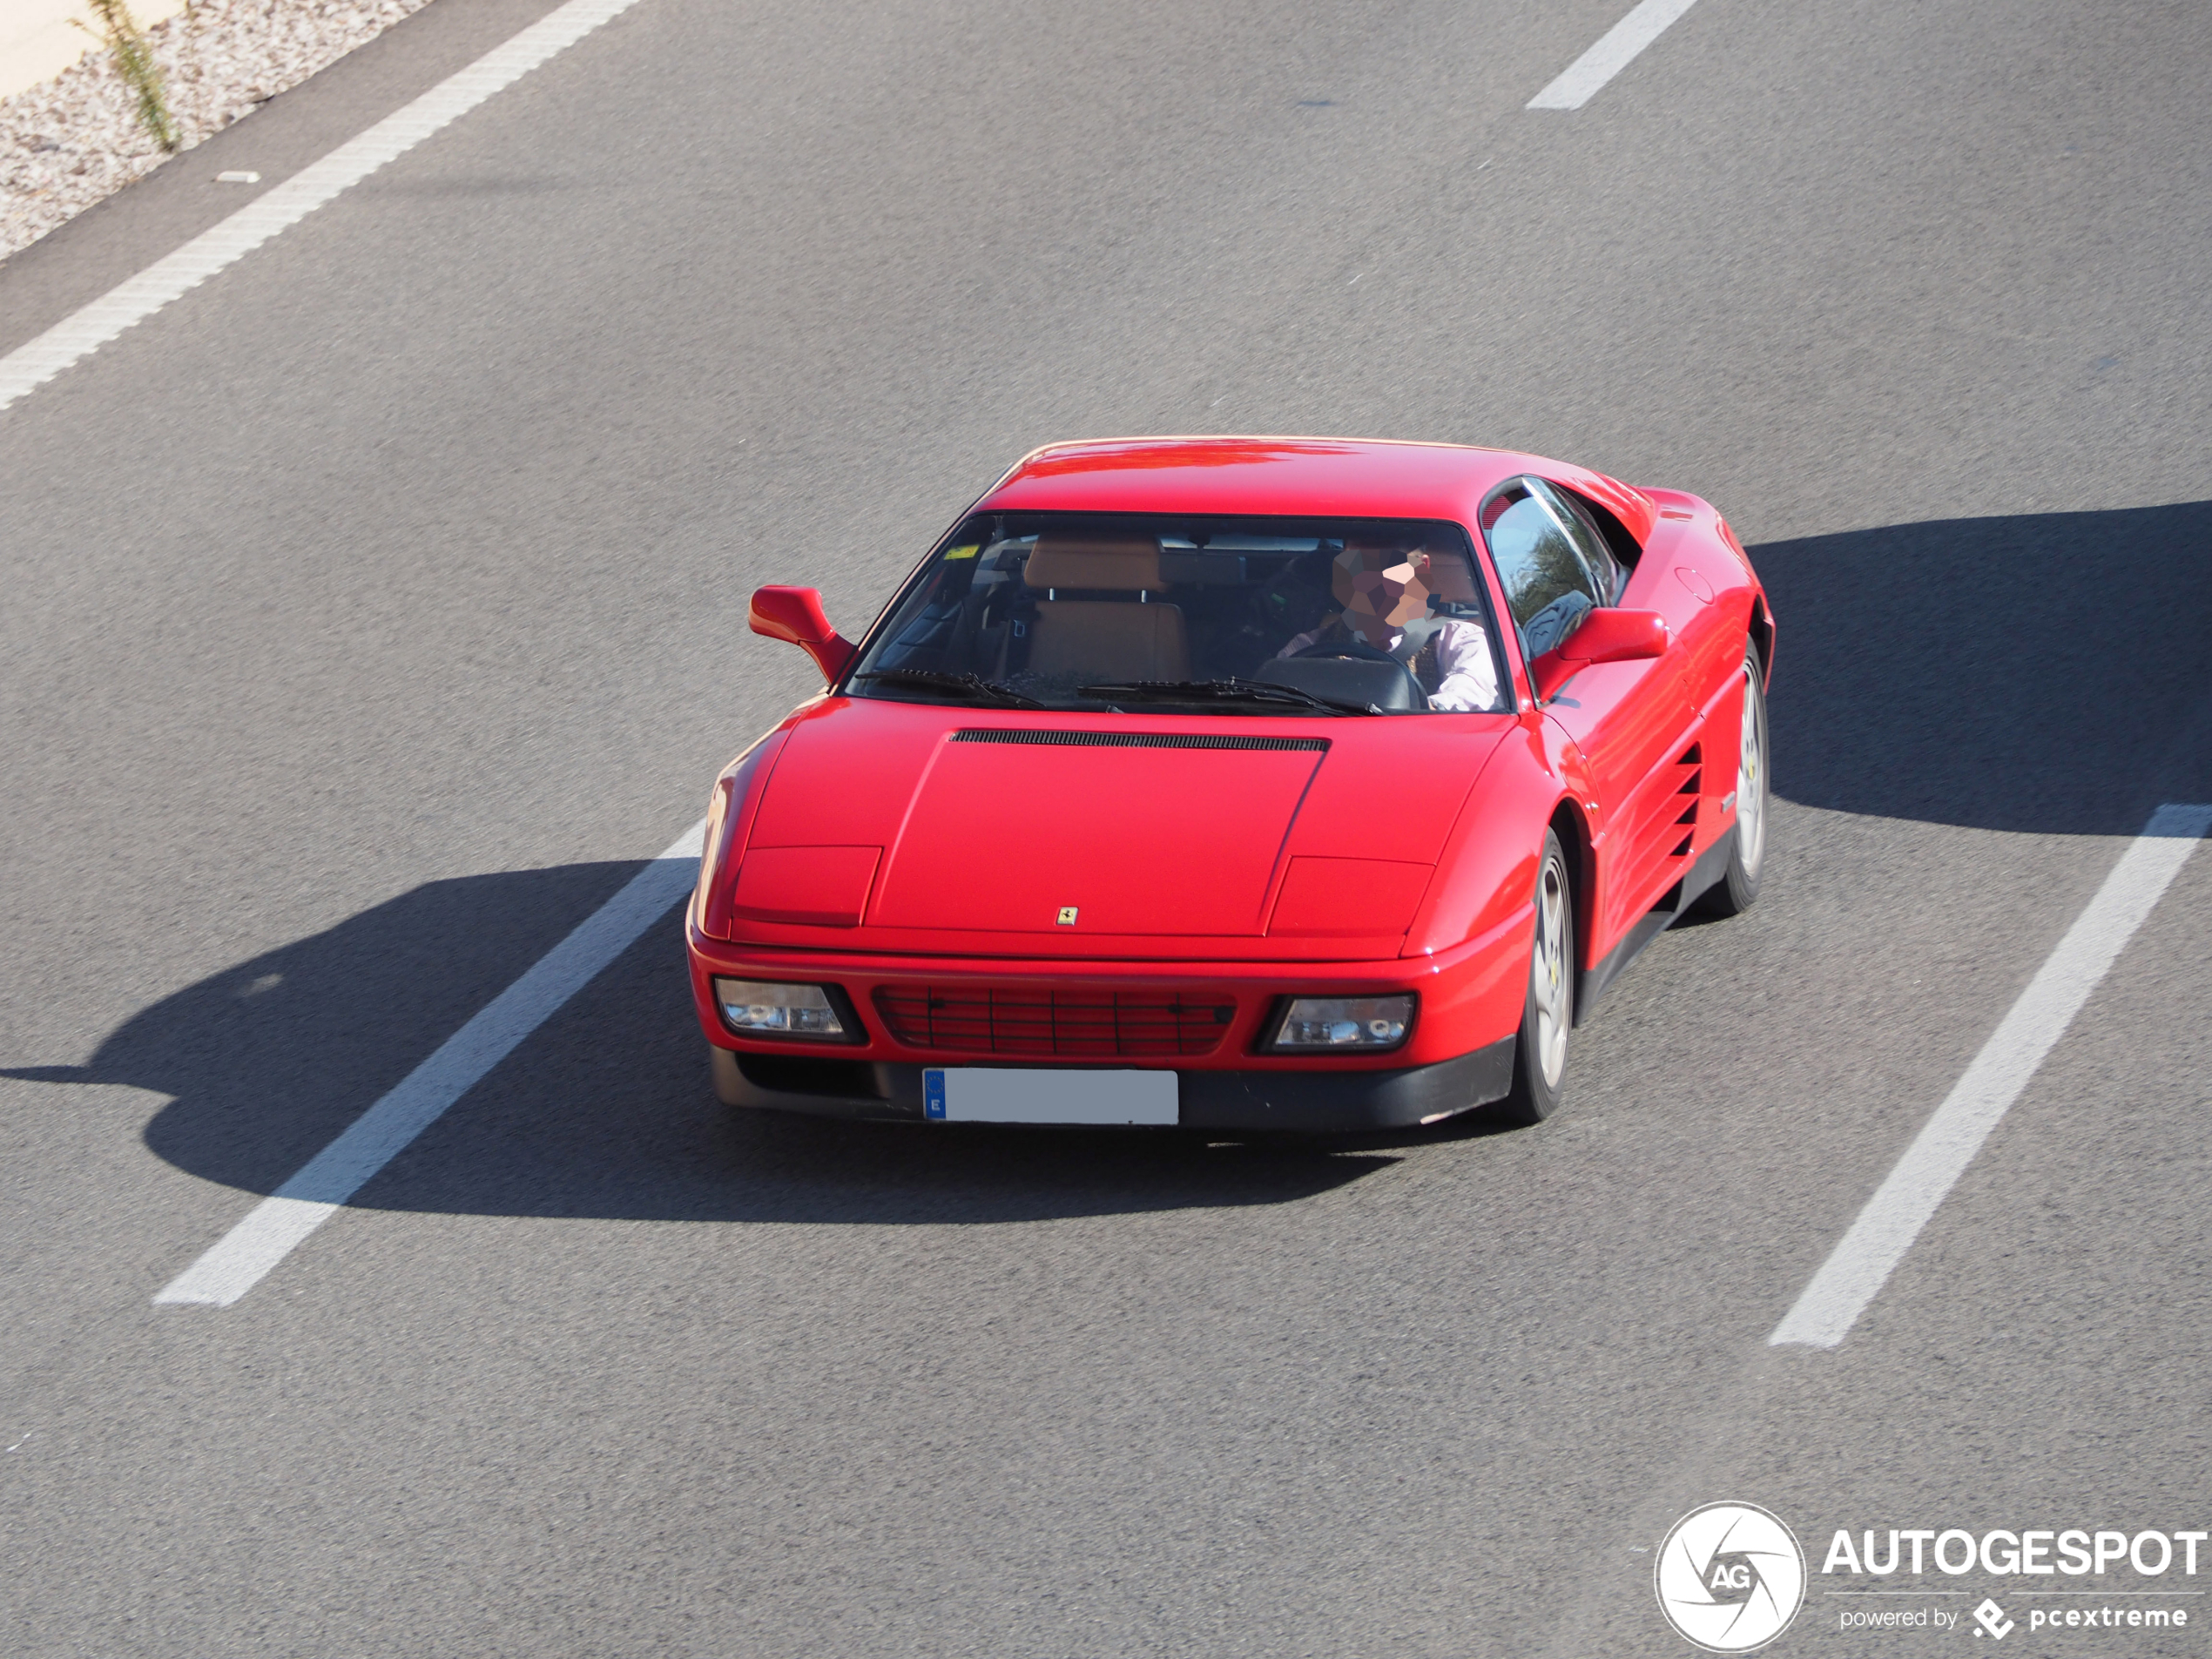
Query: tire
[
  {"x": 1547, "y": 1014},
  {"x": 1732, "y": 894}
]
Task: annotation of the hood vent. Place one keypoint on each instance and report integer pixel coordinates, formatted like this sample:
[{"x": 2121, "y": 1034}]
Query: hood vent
[{"x": 1134, "y": 739}]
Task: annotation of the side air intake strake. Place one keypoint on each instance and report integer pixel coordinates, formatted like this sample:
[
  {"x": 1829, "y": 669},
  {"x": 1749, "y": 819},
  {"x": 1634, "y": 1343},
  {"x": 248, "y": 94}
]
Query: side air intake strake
[
  {"x": 1693, "y": 787},
  {"x": 1134, "y": 739}
]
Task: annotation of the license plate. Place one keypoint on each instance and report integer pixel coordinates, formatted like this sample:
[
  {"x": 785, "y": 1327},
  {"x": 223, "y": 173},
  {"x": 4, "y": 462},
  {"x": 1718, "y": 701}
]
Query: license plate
[{"x": 1004, "y": 1094}]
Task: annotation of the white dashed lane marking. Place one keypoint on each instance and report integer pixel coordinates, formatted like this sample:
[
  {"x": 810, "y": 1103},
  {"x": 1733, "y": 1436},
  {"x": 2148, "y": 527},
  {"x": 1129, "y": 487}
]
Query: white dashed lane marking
[
  {"x": 1615, "y": 50},
  {"x": 85, "y": 331},
  {"x": 244, "y": 1256},
  {"x": 1855, "y": 1271}
]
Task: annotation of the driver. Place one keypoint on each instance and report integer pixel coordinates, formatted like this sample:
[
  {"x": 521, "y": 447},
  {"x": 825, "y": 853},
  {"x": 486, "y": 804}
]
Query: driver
[{"x": 1383, "y": 595}]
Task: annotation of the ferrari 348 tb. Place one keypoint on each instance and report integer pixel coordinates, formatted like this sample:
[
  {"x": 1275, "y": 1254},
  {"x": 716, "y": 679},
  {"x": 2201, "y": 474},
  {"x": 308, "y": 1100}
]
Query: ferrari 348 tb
[{"x": 1240, "y": 784}]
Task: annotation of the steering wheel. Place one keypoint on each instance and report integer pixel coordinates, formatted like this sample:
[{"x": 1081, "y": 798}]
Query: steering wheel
[
  {"x": 1360, "y": 650},
  {"x": 1358, "y": 647}
]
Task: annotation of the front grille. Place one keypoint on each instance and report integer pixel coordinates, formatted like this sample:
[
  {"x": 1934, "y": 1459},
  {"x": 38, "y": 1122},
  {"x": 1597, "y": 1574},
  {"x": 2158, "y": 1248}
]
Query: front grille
[{"x": 1070, "y": 1025}]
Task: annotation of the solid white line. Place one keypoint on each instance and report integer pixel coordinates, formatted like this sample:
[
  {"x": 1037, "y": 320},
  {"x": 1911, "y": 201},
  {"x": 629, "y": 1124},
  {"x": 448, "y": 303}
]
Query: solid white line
[
  {"x": 1892, "y": 1218},
  {"x": 85, "y": 331},
  {"x": 245, "y": 1254},
  {"x": 1616, "y": 48}
]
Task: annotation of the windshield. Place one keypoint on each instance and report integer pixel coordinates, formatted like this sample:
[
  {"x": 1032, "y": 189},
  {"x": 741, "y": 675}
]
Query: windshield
[{"x": 1235, "y": 616}]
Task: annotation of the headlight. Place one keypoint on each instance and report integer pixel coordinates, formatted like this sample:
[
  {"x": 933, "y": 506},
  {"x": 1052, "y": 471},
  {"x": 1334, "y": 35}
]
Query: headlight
[
  {"x": 754, "y": 1009},
  {"x": 1345, "y": 1022}
]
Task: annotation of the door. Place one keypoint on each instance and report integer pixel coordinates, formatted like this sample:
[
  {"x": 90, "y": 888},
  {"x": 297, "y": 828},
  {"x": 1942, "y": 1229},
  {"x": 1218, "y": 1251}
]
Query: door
[{"x": 1631, "y": 721}]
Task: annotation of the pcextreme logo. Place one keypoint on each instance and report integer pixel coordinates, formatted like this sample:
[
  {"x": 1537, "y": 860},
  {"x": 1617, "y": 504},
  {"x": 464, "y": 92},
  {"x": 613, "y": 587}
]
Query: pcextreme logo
[
  {"x": 1991, "y": 1618},
  {"x": 1729, "y": 1577}
]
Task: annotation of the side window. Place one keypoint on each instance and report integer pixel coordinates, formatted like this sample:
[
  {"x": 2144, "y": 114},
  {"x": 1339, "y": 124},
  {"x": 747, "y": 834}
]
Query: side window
[
  {"x": 1550, "y": 587},
  {"x": 1589, "y": 541}
]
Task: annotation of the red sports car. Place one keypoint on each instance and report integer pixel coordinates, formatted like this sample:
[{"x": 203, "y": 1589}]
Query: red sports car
[{"x": 1240, "y": 784}]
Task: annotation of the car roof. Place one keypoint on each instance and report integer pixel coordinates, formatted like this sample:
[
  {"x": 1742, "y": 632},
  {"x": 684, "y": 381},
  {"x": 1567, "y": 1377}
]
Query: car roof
[{"x": 1291, "y": 478}]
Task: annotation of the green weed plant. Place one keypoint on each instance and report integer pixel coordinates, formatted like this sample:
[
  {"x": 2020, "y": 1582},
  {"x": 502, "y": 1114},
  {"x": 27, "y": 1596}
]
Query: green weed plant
[{"x": 134, "y": 61}]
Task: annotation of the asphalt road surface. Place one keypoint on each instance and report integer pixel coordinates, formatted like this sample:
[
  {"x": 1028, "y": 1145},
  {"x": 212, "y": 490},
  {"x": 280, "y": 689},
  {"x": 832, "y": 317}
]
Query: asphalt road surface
[{"x": 371, "y": 611}]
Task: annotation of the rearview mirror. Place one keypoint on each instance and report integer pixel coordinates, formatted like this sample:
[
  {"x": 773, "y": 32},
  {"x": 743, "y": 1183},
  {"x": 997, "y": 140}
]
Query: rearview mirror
[
  {"x": 796, "y": 615},
  {"x": 1604, "y": 636}
]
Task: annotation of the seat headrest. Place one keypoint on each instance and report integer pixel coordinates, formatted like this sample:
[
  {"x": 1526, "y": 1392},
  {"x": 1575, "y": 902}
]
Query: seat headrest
[{"x": 1107, "y": 561}]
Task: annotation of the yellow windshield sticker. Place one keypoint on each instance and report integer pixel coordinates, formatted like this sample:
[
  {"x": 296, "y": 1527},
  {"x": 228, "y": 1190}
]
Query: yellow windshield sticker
[{"x": 968, "y": 552}]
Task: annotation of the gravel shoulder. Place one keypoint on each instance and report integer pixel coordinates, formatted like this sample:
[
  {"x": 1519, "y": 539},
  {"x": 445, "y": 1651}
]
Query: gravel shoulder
[{"x": 72, "y": 141}]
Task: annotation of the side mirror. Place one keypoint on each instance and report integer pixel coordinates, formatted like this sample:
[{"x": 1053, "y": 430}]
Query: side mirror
[
  {"x": 795, "y": 615},
  {"x": 1604, "y": 636}
]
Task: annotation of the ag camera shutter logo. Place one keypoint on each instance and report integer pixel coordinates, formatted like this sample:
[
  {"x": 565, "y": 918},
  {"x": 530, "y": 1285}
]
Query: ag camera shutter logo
[{"x": 1729, "y": 1577}]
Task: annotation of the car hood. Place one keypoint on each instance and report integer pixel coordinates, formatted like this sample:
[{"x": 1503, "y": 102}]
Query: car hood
[{"x": 908, "y": 827}]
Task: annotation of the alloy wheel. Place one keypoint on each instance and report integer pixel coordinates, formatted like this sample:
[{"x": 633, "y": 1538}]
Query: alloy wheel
[
  {"x": 1751, "y": 776},
  {"x": 1551, "y": 988}
]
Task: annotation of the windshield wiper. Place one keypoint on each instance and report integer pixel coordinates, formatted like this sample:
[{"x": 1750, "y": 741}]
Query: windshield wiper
[
  {"x": 1255, "y": 693},
  {"x": 973, "y": 687}
]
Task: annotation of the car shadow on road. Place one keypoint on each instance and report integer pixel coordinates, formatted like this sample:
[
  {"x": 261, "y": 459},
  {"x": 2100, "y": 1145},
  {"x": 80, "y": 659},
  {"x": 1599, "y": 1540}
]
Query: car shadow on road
[
  {"x": 2044, "y": 673},
  {"x": 606, "y": 1111},
  {"x": 2041, "y": 673}
]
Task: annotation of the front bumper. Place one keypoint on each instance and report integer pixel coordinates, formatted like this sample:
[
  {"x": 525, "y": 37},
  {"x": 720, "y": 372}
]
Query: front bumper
[
  {"x": 1303, "y": 1101},
  {"x": 1470, "y": 997}
]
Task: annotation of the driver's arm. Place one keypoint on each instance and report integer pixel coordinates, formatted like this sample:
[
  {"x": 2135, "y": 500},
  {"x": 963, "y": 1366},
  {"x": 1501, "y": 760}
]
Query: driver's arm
[{"x": 1466, "y": 670}]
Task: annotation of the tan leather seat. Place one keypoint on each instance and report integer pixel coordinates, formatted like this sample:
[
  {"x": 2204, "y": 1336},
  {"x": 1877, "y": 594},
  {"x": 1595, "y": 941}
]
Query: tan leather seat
[{"x": 1106, "y": 639}]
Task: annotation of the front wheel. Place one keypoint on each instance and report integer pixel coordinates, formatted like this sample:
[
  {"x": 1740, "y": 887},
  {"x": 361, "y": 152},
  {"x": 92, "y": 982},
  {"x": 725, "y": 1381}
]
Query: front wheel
[
  {"x": 1732, "y": 894},
  {"x": 1539, "y": 1057}
]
